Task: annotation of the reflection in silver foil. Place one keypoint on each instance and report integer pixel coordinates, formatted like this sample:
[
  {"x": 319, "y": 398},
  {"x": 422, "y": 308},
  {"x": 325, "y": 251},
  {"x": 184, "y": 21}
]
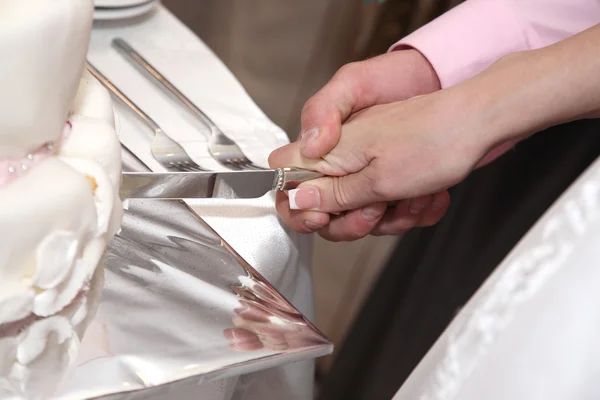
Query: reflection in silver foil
[{"x": 179, "y": 308}]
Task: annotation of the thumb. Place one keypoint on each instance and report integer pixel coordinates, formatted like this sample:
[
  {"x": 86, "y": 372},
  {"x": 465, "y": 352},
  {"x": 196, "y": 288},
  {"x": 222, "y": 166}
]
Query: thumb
[
  {"x": 336, "y": 194},
  {"x": 290, "y": 156},
  {"x": 324, "y": 113}
]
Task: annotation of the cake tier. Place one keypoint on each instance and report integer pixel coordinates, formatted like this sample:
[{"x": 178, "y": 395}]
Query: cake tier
[
  {"x": 94, "y": 139},
  {"x": 59, "y": 204},
  {"x": 34, "y": 360},
  {"x": 43, "y": 45},
  {"x": 50, "y": 224},
  {"x": 58, "y": 219}
]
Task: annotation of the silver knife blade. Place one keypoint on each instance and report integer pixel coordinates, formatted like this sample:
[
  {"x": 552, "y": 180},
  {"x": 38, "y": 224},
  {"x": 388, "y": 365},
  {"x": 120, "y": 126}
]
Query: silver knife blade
[{"x": 206, "y": 185}]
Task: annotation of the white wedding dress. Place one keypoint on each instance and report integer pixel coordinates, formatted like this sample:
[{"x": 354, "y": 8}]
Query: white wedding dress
[{"x": 532, "y": 331}]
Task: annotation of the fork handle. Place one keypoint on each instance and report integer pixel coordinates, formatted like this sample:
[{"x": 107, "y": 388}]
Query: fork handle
[
  {"x": 126, "y": 100},
  {"x": 138, "y": 60}
]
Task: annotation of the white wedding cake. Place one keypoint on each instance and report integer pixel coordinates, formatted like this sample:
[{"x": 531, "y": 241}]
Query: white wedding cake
[{"x": 60, "y": 167}]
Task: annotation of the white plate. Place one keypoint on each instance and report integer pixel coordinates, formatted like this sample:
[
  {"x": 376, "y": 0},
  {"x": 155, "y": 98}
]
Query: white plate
[
  {"x": 127, "y": 12},
  {"x": 118, "y": 3}
]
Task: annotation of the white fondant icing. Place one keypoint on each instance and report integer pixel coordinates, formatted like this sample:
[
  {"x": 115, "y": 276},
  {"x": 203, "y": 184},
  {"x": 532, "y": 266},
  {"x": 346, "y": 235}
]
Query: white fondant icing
[
  {"x": 55, "y": 258},
  {"x": 45, "y": 370},
  {"x": 96, "y": 140},
  {"x": 93, "y": 100},
  {"x": 33, "y": 341},
  {"x": 51, "y": 301},
  {"x": 36, "y": 205},
  {"x": 104, "y": 193},
  {"x": 16, "y": 307},
  {"x": 41, "y": 376},
  {"x": 8, "y": 355},
  {"x": 43, "y": 46},
  {"x": 81, "y": 311}
]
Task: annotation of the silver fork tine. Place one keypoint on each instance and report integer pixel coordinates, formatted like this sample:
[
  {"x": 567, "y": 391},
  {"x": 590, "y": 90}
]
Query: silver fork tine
[
  {"x": 249, "y": 166},
  {"x": 242, "y": 164},
  {"x": 192, "y": 169},
  {"x": 219, "y": 145},
  {"x": 252, "y": 166},
  {"x": 164, "y": 149}
]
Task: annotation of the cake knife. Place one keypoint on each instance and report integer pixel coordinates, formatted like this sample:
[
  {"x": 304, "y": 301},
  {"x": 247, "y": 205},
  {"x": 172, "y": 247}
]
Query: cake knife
[{"x": 206, "y": 185}]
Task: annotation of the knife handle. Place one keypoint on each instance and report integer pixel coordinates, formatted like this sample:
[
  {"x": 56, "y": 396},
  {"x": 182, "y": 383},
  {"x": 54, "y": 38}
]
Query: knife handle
[{"x": 290, "y": 178}]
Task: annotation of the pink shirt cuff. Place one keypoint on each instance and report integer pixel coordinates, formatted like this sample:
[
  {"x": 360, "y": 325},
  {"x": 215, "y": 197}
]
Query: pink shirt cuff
[
  {"x": 467, "y": 39},
  {"x": 470, "y": 37}
]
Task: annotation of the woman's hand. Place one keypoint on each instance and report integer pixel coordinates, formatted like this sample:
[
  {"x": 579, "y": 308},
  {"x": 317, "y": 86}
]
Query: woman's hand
[
  {"x": 381, "y": 80},
  {"x": 414, "y": 149}
]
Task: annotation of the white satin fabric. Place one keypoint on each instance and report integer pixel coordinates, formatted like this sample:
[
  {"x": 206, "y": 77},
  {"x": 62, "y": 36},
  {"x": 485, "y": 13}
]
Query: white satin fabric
[{"x": 531, "y": 332}]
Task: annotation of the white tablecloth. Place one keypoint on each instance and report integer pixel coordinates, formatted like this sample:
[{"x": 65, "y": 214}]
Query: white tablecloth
[{"x": 246, "y": 224}]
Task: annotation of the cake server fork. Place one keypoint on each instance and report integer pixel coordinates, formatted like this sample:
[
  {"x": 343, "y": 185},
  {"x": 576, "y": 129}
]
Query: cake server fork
[
  {"x": 221, "y": 147},
  {"x": 165, "y": 150}
]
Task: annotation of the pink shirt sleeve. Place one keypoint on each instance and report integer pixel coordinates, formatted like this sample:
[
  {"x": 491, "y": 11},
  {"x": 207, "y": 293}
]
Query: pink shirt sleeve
[{"x": 470, "y": 37}]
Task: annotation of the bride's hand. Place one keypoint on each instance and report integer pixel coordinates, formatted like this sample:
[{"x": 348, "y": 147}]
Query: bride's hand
[{"x": 413, "y": 149}]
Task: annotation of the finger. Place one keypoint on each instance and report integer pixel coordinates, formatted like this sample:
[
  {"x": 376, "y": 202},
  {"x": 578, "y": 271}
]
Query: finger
[
  {"x": 324, "y": 113},
  {"x": 360, "y": 85},
  {"x": 337, "y": 194},
  {"x": 350, "y": 156},
  {"x": 242, "y": 339},
  {"x": 354, "y": 224},
  {"x": 418, "y": 205},
  {"x": 265, "y": 294},
  {"x": 290, "y": 156},
  {"x": 252, "y": 313},
  {"x": 408, "y": 214},
  {"x": 300, "y": 221},
  {"x": 276, "y": 342},
  {"x": 436, "y": 210},
  {"x": 397, "y": 220}
]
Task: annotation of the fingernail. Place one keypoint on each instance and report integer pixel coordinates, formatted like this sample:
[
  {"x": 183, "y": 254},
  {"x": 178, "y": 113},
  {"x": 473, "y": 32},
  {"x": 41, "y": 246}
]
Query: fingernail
[
  {"x": 305, "y": 198},
  {"x": 313, "y": 225},
  {"x": 416, "y": 207},
  {"x": 436, "y": 205},
  {"x": 371, "y": 213},
  {"x": 308, "y": 136}
]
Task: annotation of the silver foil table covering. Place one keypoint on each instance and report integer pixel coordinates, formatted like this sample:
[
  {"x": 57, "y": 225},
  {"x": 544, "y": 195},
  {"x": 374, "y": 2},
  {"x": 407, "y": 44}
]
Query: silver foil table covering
[{"x": 180, "y": 306}]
